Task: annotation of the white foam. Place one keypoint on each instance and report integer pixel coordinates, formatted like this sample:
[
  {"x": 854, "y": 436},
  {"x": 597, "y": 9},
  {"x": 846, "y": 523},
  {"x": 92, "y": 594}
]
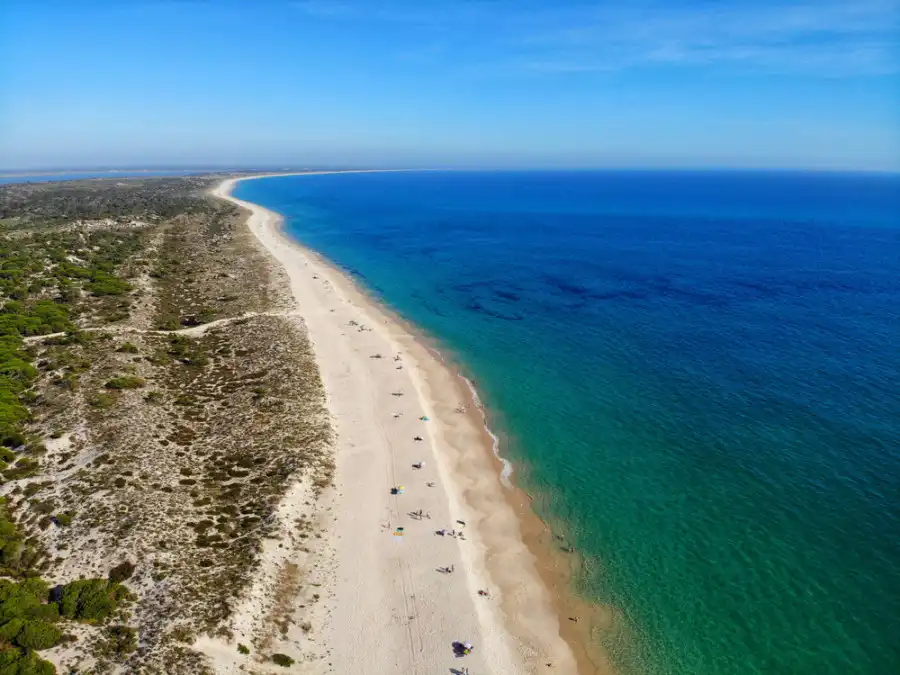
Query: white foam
[{"x": 507, "y": 471}]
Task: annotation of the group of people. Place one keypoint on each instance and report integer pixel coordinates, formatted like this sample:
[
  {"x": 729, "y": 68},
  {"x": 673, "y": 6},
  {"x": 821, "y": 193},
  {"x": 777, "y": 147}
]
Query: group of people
[
  {"x": 451, "y": 533},
  {"x": 460, "y": 648}
]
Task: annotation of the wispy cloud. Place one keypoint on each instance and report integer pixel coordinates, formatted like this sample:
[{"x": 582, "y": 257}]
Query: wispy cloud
[
  {"x": 828, "y": 38},
  {"x": 824, "y": 37}
]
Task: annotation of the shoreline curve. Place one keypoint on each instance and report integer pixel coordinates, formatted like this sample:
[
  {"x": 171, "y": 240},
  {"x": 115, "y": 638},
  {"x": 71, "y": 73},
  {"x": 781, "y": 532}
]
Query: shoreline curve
[{"x": 520, "y": 628}]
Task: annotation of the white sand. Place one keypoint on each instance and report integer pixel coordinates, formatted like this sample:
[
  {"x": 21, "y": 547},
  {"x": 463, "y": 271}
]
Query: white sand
[{"x": 385, "y": 607}]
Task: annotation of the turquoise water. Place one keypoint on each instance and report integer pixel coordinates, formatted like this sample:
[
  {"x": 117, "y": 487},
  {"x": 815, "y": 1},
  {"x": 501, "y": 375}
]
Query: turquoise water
[{"x": 697, "y": 376}]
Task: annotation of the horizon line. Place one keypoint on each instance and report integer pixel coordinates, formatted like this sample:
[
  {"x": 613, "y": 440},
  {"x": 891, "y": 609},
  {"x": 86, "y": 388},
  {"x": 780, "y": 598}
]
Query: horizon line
[{"x": 224, "y": 168}]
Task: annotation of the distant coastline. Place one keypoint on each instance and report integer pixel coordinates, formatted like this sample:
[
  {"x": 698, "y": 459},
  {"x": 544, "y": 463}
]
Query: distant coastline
[
  {"x": 251, "y": 172},
  {"x": 105, "y": 172}
]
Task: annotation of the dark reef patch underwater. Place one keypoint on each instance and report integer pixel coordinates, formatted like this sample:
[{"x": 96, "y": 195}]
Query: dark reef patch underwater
[{"x": 698, "y": 377}]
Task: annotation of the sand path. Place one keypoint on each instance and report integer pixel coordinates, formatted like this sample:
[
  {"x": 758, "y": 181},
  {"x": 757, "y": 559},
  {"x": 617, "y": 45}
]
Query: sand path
[{"x": 190, "y": 331}]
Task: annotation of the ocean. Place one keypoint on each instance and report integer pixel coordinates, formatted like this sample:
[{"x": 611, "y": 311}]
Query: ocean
[{"x": 696, "y": 375}]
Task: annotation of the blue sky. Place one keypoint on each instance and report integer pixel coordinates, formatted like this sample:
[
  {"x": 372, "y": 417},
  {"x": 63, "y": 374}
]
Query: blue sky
[{"x": 454, "y": 83}]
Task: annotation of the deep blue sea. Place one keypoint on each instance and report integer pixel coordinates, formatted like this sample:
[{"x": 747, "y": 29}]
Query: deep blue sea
[{"x": 697, "y": 376}]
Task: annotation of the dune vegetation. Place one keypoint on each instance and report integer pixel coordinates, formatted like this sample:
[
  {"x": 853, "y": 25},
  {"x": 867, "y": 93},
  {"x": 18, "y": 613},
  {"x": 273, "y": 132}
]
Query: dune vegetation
[{"x": 155, "y": 406}]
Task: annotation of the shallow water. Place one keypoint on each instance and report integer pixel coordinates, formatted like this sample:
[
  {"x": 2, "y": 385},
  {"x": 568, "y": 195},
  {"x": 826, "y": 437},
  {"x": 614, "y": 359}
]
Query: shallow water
[{"x": 695, "y": 375}]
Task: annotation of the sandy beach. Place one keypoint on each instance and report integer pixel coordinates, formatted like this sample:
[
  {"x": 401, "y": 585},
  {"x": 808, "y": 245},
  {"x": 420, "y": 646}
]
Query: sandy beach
[{"x": 386, "y": 600}]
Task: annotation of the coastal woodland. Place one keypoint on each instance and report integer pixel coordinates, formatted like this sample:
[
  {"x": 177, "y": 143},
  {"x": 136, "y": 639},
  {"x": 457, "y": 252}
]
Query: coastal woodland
[{"x": 156, "y": 403}]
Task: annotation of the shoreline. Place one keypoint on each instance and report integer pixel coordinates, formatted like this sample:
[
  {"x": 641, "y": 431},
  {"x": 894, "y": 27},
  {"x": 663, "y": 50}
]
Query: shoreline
[
  {"x": 555, "y": 567},
  {"x": 508, "y": 548}
]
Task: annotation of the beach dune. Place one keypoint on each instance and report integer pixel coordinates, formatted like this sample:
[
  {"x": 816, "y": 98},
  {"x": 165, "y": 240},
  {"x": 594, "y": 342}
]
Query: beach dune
[{"x": 396, "y": 595}]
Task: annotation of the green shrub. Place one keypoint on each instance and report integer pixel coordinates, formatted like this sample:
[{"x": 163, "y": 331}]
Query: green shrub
[
  {"x": 69, "y": 381},
  {"x": 36, "y": 448},
  {"x": 102, "y": 401},
  {"x": 38, "y": 635},
  {"x": 16, "y": 555},
  {"x": 16, "y": 662},
  {"x": 167, "y": 322},
  {"x": 33, "y": 488},
  {"x": 23, "y": 468},
  {"x": 282, "y": 660},
  {"x": 90, "y": 600},
  {"x": 120, "y": 641},
  {"x": 49, "y": 317},
  {"x": 243, "y": 649},
  {"x": 12, "y": 438},
  {"x": 26, "y": 624},
  {"x": 153, "y": 396},
  {"x": 106, "y": 284},
  {"x": 10, "y": 630},
  {"x": 128, "y": 348},
  {"x": 43, "y": 507},
  {"x": 125, "y": 382},
  {"x": 64, "y": 519}
]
